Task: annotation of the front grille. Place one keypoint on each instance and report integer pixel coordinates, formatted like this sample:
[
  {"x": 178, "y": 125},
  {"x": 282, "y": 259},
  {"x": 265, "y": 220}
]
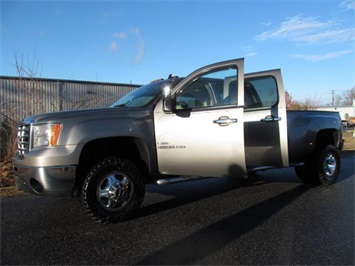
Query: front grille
[{"x": 23, "y": 139}]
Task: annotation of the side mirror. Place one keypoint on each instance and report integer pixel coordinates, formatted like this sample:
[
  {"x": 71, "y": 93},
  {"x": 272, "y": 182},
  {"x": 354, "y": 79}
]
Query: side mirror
[{"x": 167, "y": 100}]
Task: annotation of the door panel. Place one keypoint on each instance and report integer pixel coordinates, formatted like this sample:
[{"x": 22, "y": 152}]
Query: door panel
[
  {"x": 265, "y": 121},
  {"x": 262, "y": 140},
  {"x": 195, "y": 145},
  {"x": 204, "y": 136}
]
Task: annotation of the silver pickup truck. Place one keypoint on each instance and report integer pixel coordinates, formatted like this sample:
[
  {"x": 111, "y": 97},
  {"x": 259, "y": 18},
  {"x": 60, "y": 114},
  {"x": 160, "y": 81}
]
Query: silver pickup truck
[{"x": 216, "y": 122}]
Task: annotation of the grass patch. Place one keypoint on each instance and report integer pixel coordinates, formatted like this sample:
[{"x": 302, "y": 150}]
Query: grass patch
[{"x": 349, "y": 144}]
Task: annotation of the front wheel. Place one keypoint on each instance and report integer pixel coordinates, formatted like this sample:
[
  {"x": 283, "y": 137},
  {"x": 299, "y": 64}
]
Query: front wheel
[
  {"x": 321, "y": 168},
  {"x": 113, "y": 190}
]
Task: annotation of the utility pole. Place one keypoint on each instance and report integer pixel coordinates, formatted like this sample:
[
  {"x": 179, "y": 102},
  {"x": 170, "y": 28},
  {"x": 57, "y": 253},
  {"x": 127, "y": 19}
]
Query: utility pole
[{"x": 332, "y": 97}]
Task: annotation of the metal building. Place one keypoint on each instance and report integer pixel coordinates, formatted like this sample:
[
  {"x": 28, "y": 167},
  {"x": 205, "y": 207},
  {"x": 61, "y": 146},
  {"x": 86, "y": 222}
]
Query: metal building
[{"x": 21, "y": 97}]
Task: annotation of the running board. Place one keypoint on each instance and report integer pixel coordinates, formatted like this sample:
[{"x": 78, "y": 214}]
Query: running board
[{"x": 174, "y": 180}]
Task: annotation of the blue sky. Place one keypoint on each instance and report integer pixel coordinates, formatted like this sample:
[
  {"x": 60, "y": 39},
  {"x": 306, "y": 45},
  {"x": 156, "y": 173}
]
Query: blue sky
[{"x": 312, "y": 41}]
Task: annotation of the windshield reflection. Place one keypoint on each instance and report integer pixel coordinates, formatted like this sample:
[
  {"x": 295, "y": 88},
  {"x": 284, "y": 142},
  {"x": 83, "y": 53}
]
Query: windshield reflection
[{"x": 143, "y": 96}]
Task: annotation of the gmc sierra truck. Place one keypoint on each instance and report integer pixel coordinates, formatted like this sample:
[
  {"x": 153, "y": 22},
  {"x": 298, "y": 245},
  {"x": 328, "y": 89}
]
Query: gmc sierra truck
[{"x": 216, "y": 122}]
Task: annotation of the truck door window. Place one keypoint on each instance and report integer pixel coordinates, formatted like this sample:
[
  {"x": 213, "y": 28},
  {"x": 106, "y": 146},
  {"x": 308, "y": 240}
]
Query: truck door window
[
  {"x": 260, "y": 92},
  {"x": 207, "y": 91},
  {"x": 195, "y": 95}
]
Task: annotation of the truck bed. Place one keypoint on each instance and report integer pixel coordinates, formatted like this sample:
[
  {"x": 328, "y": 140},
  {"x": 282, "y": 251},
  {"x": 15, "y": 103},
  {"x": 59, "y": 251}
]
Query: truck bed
[{"x": 301, "y": 144}]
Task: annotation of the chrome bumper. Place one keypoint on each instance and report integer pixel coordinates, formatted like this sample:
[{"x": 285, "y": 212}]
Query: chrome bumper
[{"x": 46, "y": 181}]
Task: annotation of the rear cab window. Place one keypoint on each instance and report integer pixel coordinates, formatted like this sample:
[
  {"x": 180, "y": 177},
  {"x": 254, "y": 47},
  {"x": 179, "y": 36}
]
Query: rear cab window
[{"x": 260, "y": 92}]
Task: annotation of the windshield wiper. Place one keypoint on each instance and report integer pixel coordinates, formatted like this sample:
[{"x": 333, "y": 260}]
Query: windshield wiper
[
  {"x": 124, "y": 104},
  {"x": 121, "y": 105}
]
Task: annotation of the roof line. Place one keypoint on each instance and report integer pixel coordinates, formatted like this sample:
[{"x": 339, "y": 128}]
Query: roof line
[{"x": 69, "y": 81}]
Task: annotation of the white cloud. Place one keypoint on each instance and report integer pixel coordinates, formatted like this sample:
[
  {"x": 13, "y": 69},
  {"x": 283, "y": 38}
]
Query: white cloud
[
  {"x": 267, "y": 24},
  {"x": 251, "y": 54},
  {"x": 248, "y": 51},
  {"x": 134, "y": 36},
  {"x": 292, "y": 28},
  {"x": 315, "y": 58},
  {"x": 113, "y": 46},
  {"x": 329, "y": 36},
  {"x": 307, "y": 30},
  {"x": 348, "y": 4},
  {"x": 120, "y": 35},
  {"x": 139, "y": 45}
]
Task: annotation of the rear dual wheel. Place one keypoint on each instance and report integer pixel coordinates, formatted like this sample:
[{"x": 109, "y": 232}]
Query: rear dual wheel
[
  {"x": 113, "y": 190},
  {"x": 322, "y": 167}
]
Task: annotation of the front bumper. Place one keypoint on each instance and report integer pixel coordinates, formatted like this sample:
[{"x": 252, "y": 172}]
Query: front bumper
[{"x": 47, "y": 181}]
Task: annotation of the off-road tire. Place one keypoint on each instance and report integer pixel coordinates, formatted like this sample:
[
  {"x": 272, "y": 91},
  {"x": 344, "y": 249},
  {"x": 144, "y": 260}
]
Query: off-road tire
[
  {"x": 322, "y": 167},
  {"x": 113, "y": 190}
]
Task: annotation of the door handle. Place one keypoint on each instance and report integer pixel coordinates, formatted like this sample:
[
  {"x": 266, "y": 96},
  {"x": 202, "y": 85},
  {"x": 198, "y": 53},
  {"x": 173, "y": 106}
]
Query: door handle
[
  {"x": 270, "y": 118},
  {"x": 225, "y": 121}
]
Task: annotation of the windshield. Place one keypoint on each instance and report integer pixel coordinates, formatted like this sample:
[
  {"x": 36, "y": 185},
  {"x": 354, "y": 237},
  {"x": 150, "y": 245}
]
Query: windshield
[{"x": 143, "y": 96}]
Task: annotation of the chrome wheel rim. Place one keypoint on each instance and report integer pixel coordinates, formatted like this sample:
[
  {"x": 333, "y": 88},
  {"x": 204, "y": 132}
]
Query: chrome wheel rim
[
  {"x": 329, "y": 165},
  {"x": 114, "y": 191}
]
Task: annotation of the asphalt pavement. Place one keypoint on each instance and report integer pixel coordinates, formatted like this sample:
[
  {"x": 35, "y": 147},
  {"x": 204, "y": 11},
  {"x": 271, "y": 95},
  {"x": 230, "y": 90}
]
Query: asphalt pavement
[{"x": 274, "y": 219}]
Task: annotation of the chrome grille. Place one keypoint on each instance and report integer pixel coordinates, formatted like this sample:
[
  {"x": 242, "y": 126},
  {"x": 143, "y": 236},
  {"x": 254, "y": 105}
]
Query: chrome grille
[{"x": 23, "y": 139}]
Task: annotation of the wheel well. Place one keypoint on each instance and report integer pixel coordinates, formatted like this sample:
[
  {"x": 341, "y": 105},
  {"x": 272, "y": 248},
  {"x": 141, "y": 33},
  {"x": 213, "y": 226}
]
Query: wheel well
[
  {"x": 326, "y": 136},
  {"x": 94, "y": 151}
]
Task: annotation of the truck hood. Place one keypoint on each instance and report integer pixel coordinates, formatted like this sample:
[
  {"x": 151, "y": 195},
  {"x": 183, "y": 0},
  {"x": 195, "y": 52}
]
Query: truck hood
[
  {"x": 82, "y": 126},
  {"x": 77, "y": 114}
]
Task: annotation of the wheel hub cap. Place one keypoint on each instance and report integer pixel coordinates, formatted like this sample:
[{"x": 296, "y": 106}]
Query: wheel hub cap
[
  {"x": 114, "y": 191},
  {"x": 329, "y": 165}
]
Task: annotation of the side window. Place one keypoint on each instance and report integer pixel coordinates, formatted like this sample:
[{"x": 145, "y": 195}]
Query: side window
[
  {"x": 260, "y": 92},
  {"x": 209, "y": 90},
  {"x": 194, "y": 96},
  {"x": 230, "y": 91}
]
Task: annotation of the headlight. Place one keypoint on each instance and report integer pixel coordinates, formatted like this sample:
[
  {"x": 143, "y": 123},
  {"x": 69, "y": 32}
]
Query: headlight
[{"x": 46, "y": 135}]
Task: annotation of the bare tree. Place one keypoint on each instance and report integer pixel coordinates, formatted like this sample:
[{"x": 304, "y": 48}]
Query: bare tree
[
  {"x": 349, "y": 97},
  {"x": 288, "y": 97},
  {"x": 31, "y": 102},
  {"x": 337, "y": 100},
  {"x": 31, "y": 98},
  {"x": 29, "y": 67},
  {"x": 307, "y": 104}
]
